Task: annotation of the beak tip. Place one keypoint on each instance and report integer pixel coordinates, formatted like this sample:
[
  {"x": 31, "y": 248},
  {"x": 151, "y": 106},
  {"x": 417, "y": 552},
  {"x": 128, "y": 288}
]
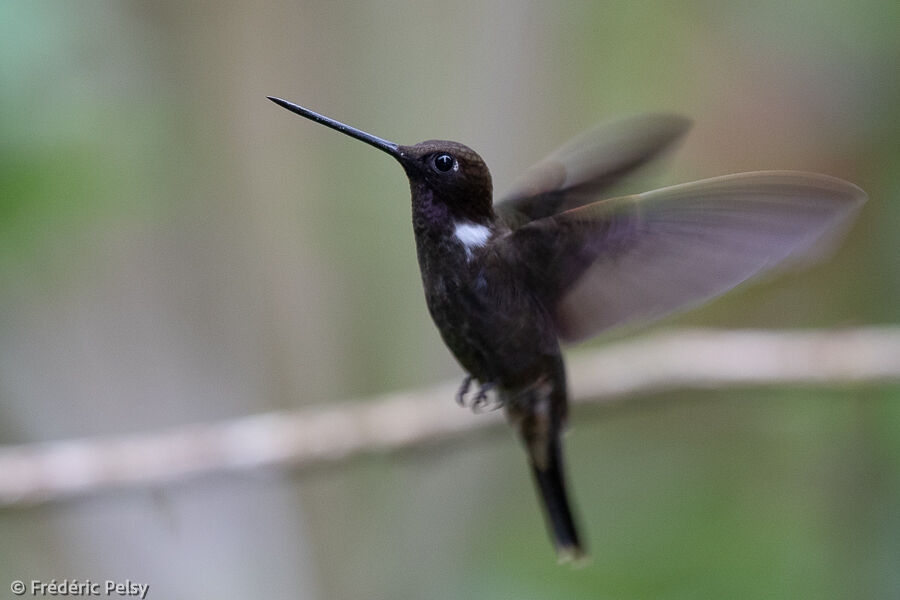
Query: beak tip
[{"x": 384, "y": 145}]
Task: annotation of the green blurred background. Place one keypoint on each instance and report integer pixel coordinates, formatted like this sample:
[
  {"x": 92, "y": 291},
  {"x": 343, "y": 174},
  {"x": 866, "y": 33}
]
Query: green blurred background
[{"x": 175, "y": 249}]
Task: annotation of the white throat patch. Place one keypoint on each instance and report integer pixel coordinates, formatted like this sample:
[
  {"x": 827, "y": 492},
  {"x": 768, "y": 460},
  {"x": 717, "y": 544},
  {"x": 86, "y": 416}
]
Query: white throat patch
[{"x": 472, "y": 236}]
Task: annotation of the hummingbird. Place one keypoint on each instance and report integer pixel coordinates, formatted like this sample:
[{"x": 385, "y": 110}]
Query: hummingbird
[{"x": 555, "y": 260}]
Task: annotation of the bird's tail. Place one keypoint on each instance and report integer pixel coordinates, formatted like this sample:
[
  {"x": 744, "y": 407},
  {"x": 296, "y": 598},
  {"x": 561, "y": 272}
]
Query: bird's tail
[
  {"x": 539, "y": 413},
  {"x": 551, "y": 485}
]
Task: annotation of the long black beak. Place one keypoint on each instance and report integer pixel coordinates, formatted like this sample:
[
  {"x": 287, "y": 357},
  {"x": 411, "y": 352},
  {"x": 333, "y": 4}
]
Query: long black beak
[{"x": 389, "y": 147}]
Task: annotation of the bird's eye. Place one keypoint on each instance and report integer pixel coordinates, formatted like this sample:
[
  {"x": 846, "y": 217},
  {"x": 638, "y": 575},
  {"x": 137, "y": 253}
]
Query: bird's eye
[{"x": 443, "y": 162}]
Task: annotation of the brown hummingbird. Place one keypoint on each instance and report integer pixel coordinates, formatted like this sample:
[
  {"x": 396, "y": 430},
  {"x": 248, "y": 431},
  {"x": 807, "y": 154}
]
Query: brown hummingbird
[{"x": 554, "y": 261}]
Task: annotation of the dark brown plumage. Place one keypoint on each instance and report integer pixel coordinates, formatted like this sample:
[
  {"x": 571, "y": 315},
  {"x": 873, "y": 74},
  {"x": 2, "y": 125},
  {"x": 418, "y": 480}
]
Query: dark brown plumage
[{"x": 552, "y": 261}]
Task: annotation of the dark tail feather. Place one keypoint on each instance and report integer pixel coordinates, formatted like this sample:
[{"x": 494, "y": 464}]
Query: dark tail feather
[
  {"x": 539, "y": 413},
  {"x": 551, "y": 485}
]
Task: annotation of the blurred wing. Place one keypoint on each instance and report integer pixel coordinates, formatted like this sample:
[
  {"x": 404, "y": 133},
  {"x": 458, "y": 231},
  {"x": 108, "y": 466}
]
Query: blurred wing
[
  {"x": 580, "y": 170},
  {"x": 642, "y": 257}
]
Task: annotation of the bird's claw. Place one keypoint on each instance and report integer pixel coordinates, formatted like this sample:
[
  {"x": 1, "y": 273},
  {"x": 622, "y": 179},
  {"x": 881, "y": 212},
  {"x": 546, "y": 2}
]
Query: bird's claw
[
  {"x": 481, "y": 402},
  {"x": 463, "y": 390},
  {"x": 481, "y": 399}
]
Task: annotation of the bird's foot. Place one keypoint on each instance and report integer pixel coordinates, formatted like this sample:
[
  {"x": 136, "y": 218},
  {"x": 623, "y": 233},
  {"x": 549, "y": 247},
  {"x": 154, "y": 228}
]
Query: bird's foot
[
  {"x": 481, "y": 402},
  {"x": 463, "y": 390}
]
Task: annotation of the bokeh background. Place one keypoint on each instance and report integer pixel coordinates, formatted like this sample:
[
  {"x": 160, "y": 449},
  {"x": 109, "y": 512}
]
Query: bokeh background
[{"x": 176, "y": 249}]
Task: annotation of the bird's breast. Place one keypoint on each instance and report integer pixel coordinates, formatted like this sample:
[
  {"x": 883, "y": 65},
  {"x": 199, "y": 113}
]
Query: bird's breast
[{"x": 492, "y": 324}]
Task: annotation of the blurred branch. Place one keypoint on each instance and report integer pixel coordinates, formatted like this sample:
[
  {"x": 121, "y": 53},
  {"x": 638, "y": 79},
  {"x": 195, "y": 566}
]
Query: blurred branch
[{"x": 37, "y": 473}]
